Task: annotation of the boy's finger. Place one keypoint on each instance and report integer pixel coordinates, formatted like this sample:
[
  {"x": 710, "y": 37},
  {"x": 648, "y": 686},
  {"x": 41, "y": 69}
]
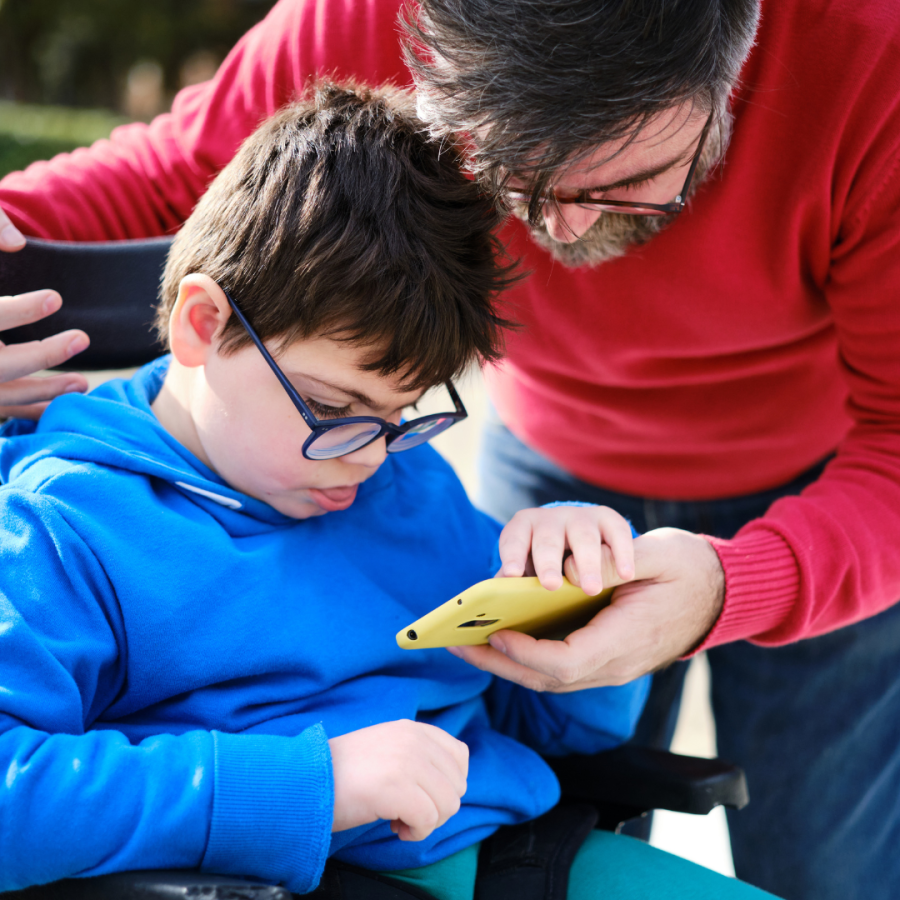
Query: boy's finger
[
  {"x": 418, "y": 813},
  {"x": 586, "y": 544},
  {"x": 547, "y": 548},
  {"x": 514, "y": 546},
  {"x": 617, "y": 534},
  {"x": 448, "y": 754},
  {"x": 610, "y": 575},
  {"x": 445, "y": 795}
]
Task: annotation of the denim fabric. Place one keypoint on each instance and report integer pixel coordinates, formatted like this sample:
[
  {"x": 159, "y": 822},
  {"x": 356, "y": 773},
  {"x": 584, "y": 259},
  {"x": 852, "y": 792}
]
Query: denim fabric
[{"x": 816, "y": 725}]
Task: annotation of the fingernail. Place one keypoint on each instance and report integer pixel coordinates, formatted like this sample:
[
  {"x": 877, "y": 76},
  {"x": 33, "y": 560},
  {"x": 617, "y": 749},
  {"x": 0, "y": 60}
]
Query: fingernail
[
  {"x": 51, "y": 304},
  {"x": 11, "y": 237},
  {"x": 73, "y": 387},
  {"x": 78, "y": 344},
  {"x": 592, "y": 587},
  {"x": 454, "y": 651},
  {"x": 497, "y": 643}
]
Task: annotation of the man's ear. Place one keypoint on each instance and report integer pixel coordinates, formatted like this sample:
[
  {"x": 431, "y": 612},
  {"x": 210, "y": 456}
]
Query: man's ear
[{"x": 197, "y": 319}]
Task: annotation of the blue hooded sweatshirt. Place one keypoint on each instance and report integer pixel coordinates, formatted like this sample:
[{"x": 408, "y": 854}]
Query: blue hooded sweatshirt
[{"x": 174, "y": 656}]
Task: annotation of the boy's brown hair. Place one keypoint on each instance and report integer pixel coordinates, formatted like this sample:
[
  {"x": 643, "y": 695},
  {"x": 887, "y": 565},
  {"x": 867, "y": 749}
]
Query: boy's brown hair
[{"x": 341, "y": 216}]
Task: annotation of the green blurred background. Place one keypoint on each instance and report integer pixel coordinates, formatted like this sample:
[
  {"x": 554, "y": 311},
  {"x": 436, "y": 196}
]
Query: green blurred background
[{"x": 71, "y": 70}]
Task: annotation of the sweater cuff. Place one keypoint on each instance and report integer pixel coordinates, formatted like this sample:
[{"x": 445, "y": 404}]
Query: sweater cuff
[
  {"x": 762, "y": 583},
  {"x": 273, "y": 808}
]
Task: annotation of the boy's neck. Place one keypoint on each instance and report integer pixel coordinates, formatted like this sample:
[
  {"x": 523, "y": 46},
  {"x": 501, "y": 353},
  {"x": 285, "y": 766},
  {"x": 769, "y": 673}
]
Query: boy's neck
[{"x": 172, "y": 407}]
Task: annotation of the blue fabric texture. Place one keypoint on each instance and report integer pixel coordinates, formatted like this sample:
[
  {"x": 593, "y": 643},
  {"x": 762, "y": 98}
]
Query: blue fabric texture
[{"x": 174, "y": 656}]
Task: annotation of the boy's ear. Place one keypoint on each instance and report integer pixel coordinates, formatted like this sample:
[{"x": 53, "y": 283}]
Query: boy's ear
[{"x": 197, "y": 319}]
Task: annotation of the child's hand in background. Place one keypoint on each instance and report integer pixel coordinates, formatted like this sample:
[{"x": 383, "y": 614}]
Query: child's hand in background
[
  {"x": 409, "y": 773},
  {"x": 598, "y": 539}
]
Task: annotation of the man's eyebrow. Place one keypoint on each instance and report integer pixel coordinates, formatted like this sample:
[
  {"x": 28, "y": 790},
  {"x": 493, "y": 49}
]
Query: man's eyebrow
[{"x": 638, "y": 177}]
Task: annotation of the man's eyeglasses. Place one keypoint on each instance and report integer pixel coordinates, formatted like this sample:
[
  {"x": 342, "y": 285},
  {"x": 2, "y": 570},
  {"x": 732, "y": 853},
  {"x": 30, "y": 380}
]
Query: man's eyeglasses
[
  {"x": 585, "y": 200},
  {"x": 338, "y": 437}
]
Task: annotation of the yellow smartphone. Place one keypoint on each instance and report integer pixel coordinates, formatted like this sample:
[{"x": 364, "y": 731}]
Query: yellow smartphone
[{"x": 521, "y": 604}]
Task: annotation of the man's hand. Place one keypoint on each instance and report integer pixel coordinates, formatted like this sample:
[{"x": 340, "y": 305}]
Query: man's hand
[
  {"x": 409, "y": 773},
  {"x": 652, "y": 621},
  {"x": 21, "y": 394},
  {"x": 11, "y": 239}
]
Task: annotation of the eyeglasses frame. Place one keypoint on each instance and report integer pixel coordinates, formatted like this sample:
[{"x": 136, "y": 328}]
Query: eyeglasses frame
[
  {"x": 318, "y": 427},
  {"x": 673, "y": 208}
]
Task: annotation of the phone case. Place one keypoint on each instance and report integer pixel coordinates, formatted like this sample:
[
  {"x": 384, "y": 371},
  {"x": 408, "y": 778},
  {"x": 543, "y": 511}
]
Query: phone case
[{"x": 517, "y": 603}]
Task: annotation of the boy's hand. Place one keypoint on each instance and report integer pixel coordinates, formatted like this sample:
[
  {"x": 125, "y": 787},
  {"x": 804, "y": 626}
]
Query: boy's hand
[
  {"x": 409, "y": 773},
  {"x": 535, "y": 542}
]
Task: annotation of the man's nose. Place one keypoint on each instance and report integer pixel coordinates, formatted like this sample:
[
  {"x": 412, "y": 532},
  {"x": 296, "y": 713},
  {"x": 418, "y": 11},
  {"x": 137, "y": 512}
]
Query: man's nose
[{"x": 567, "y": 223}]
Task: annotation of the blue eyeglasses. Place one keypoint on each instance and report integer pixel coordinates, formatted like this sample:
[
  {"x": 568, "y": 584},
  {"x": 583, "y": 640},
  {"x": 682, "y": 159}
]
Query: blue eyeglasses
[{"x": 338, "y": 437}]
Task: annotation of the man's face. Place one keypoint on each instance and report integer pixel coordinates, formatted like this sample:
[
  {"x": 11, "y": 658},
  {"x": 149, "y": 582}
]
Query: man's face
[
  {"x": 250, "y": 433},
  {"x": 651, "y": 168}
]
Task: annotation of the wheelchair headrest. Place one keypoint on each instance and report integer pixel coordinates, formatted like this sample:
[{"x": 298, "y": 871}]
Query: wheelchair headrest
[{"x": 109, "y": 290}]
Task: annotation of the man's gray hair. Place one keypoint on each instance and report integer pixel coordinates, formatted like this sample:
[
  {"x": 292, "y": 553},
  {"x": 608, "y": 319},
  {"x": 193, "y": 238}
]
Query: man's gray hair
[{"x": 538, "y": 83}]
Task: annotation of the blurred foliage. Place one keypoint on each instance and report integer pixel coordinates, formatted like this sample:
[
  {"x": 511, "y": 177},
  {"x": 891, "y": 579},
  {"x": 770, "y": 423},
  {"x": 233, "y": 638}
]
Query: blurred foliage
[
  {"x": 28, "y": 133},
  {"x": 79, "y": 52}
]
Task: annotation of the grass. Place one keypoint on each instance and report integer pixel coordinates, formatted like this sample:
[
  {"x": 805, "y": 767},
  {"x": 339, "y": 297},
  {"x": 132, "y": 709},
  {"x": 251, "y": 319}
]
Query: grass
[{"x": 29, "y": 133}]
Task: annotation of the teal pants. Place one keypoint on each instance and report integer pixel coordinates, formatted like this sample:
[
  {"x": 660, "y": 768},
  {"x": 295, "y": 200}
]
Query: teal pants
[{"x": 608, "y": 867}]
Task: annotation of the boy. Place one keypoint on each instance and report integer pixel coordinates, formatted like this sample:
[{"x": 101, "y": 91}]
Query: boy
[{"x": 202, "y": 569}]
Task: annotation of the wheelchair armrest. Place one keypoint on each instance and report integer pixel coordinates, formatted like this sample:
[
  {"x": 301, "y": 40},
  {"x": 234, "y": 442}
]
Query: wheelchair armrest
[
  {"x": 629, "y": 781},
  {"x": 153, "y": 885}
]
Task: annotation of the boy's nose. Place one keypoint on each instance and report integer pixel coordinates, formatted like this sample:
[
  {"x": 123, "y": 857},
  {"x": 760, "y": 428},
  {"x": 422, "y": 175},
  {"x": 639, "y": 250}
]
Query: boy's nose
[{"x": 371, "y": 456}]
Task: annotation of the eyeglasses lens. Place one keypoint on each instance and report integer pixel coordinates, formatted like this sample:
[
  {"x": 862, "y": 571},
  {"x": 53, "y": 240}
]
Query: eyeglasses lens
[
  {"x": 622, "y": 210},
  {"x": 342, "y": 440},
  {"x": 420, "y": 433},
  {"x": 598, "y": 206}
]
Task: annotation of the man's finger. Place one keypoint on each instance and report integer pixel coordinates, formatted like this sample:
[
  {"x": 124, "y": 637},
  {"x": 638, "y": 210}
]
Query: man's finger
[
  {"x": 489, "y": 659},
  {"x": 27, "y": 391},
  {"x": 18, "y": 360},
  {"x": 23, "y": 309},
  {"x": 11, "y": 239},
  {"x": 33, "y": 411}
]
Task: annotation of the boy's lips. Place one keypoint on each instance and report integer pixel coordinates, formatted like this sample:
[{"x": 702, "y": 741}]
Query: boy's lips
[{"x": 334, "y": 499}]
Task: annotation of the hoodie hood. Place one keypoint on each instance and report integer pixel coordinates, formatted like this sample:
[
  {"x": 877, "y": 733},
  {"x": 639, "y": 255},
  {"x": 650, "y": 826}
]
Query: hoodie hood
[{"x": 114, "y": 426}]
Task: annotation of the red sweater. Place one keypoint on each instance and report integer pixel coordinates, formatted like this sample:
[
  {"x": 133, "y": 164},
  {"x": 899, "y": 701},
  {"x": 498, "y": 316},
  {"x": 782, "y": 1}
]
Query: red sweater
[{"x": 755, "y": 336}]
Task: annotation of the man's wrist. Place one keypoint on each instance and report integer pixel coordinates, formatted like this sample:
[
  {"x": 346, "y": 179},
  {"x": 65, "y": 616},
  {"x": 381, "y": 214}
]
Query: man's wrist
[{"x": 761, "y": 584}]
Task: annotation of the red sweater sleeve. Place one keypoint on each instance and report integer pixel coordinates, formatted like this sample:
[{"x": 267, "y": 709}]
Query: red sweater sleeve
[
  {"x": 146, "y": 179},
  {"x": 830, "y": 557}
]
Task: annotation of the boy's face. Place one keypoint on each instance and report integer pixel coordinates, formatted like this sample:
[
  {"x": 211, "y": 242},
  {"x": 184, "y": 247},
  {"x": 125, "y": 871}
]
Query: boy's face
[
  {"x": 234, "y": 415},
  {"x": 252, "y": 434}
]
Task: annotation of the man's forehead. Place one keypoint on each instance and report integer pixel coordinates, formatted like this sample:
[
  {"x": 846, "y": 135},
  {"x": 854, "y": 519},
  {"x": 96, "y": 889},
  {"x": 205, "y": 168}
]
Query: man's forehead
[{"x": 665, "y": 141}]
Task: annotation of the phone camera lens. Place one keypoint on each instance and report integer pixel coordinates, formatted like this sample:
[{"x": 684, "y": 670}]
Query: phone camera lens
[{"x": 412, "y": 635}]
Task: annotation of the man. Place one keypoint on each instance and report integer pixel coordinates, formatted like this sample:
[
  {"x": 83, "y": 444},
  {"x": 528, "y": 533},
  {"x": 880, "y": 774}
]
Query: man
[{"x": 698, "y": 369}]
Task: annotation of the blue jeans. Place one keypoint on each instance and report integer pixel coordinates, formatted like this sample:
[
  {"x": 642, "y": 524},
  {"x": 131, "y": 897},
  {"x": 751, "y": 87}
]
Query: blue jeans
[{"x": 816, "y": 725}]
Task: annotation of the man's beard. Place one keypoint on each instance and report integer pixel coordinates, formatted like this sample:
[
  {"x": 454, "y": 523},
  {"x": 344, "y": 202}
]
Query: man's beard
[{"x": 612, "y": 234}]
